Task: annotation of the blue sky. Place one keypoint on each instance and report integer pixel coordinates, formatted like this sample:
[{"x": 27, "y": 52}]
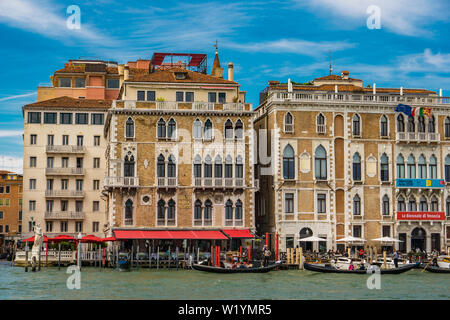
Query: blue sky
[{"x": 266, "y": 40}]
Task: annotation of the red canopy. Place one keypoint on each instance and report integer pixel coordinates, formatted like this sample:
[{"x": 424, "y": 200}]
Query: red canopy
[
  {"x": 109, "y": 239},
  {"x": 91, "y": 238},
  {"x": 63, "y": 237},
  {"x": 238, "y": 233},
  {"x": 172, "y": 234},
  {"x": 31, "y": 239}
]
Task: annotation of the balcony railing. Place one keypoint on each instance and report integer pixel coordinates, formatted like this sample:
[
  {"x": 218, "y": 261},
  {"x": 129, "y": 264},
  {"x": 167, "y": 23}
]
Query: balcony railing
[
  {"x": 163, "y": 222},
  {"x": 166, "y": 105},
  {"x": 65, "y": 149},
  {"x": 121, "y": 182},
  {"x": 321, "y": 128},
  {"x": 64, "y": 171},
  {"x": 418, "y": 137},
  {"x": 203, "y": 105},
  {"x": 64, "y": 194},
  {"x": 128, "y": 222},
  {"x": 204, "y": 223},
  {"x": 289, "y": 128},
  {"x": 236, "y": 223},
  {"x": 167, "y": 182},
  {"x": 237, "y": 106},
  {"x": 219, "y": 182},
  {"x": 64, "y": 215}
]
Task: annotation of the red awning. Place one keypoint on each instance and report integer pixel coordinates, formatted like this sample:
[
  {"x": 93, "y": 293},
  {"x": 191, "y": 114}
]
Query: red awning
[
  {"x": 173, "y": 234},
  {"x": 91, "y": 238},
  {"x": 31, "y": 239},
  {"x": 238, "y": 233},
  {"x": 62, "y": 237},
  {"x": 108, "y": 239}
]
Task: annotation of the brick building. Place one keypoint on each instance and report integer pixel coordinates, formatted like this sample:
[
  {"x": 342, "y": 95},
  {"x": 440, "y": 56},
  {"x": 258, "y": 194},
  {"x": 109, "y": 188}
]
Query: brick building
[{"x": 10, "y": 206}]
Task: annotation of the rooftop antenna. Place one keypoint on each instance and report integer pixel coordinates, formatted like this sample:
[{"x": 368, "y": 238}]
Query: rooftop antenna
[
  {"x": 216, "y": 46},
  {"x": 331, "y": 62}
]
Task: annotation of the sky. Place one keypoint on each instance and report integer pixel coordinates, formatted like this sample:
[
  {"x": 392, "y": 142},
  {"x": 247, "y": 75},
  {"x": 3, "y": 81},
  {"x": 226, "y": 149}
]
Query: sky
[{"x": 391, "y": 43}]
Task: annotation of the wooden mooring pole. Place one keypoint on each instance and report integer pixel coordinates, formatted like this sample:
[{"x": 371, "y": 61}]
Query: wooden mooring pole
[
  {"x": 157, "y": 259},
  {"x": 59, "y": 256},
  {"x": 301, "y": 258},
  {"x": 26, "y": 256}
]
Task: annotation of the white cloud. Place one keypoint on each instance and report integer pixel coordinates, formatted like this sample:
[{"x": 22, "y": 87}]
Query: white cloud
[
  {"x": 18, "y": 96},
  {"x": 426, "y": 62},
  {"x": 10, "y": 133},
  {"x": 46, "y": 18},
  {"x": 14, "y": 164},
  {"x": 406, "y": 17}
]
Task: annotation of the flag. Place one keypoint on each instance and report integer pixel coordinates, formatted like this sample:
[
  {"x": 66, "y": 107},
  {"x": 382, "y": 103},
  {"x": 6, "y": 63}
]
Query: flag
[
  {"x": 415, "y": 112},
  {"x": 427, "y": 112},
  {"x": 403, "y": 108}
]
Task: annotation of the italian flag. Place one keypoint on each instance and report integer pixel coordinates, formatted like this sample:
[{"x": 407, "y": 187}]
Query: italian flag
[{"x": 419, "y": 111}]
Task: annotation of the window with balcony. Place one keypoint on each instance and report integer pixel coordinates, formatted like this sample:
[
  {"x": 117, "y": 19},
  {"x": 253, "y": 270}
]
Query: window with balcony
[
  {"x": 222, "y": 97},
  {"x": 172, "y": 129},
  {"x": 208, "y": 213},
  {"x": 161, "y": 212},
  {"x": 411, "y": 124},
  {"x": 208, "y": 130},
  {"x": 49, "y": 184},
  {"x": 128, "y": 166},
  {"x": 78, "y": 226},
  {"x": 288, "y": 123},
  {"x": 151, "y": 96},
  {"x": 218, "y": 167},
  {"x": 129, "y": 212},
  {"x": 197, "y": 167},
  {"x": 65, "y": 140},
  {"x": 171, "y": 167},
  {"x": 212, "y": 97},
  {"x": 433, "y": 167},
  {"x": 79, "y": 163},
  {"x": 140, "y": 96},
  {"x": 400, "y": 123},
  {"x": 384, "y": 126},
  {"x": 197, "y": 129},
  {"x": 161, "y": 128},
  {"x": 64, "y": 205},
  {"x": 49, "y": 205},
  {"x": 356, "y": 167},
  {"x": 411, "y": 167},
  {"x": 422, "y": 167},
  {"x": 80, "y": 141},
  {"x": 288, "y": 163},
  {"x": 129, "y": 128},
  {"x": 207, "y": 167},
  {"x": 320, "y": 123},
  {"x": 189, "y": 96},
  {"x": 447, "y": 127},
  {"x": 50, "y": 139},
  {"x": 238, "y": 211},
  {"x": 228, "y": 129},
  {"x": 400, "y": 167},
  {"x": 65, "y": 118},
  {"x": 79, "y": 185},
  {"x": 239, "y": 129},
  {"x": 228, "y": 212},
  {"x": 412, "y": 205},
  {"x": 320, "y": 163},
  {"x": 64, "y": 184},
  {"x": 228, "y": 167},
  {"x": 356, "y": 125},
  {"x": 288, "y": 203},
  {"x": 79, "y": 206},
  {"x": 239, "y": 168},
  {"x": 161, "y": 167},
  {"x": 385, "y": 206},
  {"x": 50, "y": 117},
  {"x": 179, "y": 96},
  {"x": 447, "y": 168},
  {"x": 63, "y": 226},
  {"x": 198, "y": 213},
  {"x": 49, "y": 226},
  {"x": 421, "y": 125},
  {"x": 401, "y": 206},
  {"x": 171, "y": 211},
  {"x": 423, "y": 204},
  {"x": 356, "y": 205},
  {"x": 431, "y": 125}
]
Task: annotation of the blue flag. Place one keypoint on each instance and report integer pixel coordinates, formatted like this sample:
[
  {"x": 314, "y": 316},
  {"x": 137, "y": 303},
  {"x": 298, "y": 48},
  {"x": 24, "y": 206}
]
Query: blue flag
[{"x": 403, "y": 108}]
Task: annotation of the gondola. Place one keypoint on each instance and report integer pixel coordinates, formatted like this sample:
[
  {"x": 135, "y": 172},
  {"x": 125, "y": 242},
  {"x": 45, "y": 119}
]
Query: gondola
[
  {"x": 124, "y": 263},
  {"x": 205, "y": 268},
  {"x": 330, "y": 269},
  {"x": 437, "y": 269}
]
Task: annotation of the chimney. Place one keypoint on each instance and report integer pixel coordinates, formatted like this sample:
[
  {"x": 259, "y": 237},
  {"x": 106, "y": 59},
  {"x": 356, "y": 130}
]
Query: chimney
[
  {"x": 440, "y": 92},
  {"x": 126, "y": 73},
  {"x": 401, "y": 91},
  {"x": 289, "y": 85},
  {"x": 120, "y": 69},
  {"x": 344, "y": 74},
  {"x": 374, "y": 89},
  {"x": 230, "y": 71}
]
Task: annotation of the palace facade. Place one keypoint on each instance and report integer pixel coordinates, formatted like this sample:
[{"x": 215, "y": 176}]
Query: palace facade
[{"x": 342, "y": 162}]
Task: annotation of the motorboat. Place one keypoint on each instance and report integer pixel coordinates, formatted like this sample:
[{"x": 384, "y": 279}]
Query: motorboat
[{"x": 443, "y": 262}]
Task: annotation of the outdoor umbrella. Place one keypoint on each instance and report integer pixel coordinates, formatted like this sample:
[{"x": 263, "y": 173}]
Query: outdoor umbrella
[
  {"x": 387, "y": 239},
  {"x": 109, "y": 239},
  {"x": 31, "y": 239},
  {"x": 91, "y": 238},
  {"x": 312, "y": 238},
  {"x": 351, "y": 239},
  {"x": 63, "y": 237}
]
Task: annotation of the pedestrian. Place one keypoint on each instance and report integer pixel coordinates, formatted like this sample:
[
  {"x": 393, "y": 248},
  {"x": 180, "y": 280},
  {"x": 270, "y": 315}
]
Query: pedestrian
[
  {"x": 267, "y": 255},
  {"x": 396, "y": 258}
]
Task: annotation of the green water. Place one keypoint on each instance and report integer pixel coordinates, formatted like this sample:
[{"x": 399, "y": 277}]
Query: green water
[{"x": 189, "y": 284}]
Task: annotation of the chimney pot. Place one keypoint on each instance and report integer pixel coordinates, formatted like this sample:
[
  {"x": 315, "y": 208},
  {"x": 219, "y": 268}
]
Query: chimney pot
[
  {"x": 230, "y": 71},
  {"x": 126, "y": 73}
]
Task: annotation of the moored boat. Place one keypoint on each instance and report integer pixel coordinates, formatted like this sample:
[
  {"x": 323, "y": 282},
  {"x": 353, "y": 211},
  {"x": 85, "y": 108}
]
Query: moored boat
[
  {"x": 443, "y": 262},
  {"x": 331, "y": 269},
  {"x": 123, "y": 263},
  {"x": 213, "y": 269},
  {"x": 435, "y": 269}
]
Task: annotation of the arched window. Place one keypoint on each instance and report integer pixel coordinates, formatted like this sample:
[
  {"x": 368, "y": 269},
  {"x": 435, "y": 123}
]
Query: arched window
[
  {"x": 422, "y": 167},
  {"x": 412, "y": 206},
  {"x": 208, "y": 212},
  {"x": 228, "y": 167},
  {"x": 356, "y": 125},
  {"x": 356, "y": 205},
  {"x": 198, "y": 211},
  {"x": 129, "y": 128},
  {"x": 400, "y": 123},
  {"x": 384, "y": 167},
  {"x": 356, "y": 167},
  {"x": 411, "y": 124},
  {"x": 238, "y": 210},
  {"x": 421, "y": 126},
  {"x": 447, "y": 168},
  {"x": 385, "y": 206},
  {"x": 401, "y": 206},
  {"x": 320, "y": 123},
  {"x": 431, "y": 125},
  {"x": 228, "y": 129},
  {"x": 411, "y": 167},
  {"x": 161, "y": 128},
  {"x": 400, "y": 167},
  {"x": 207, "y": 172},
  {"x": 423, "y": 204},
  {"x": 384, "y": 126},
  {"x": 171, "y": 209},
  {"x": 208, "y": 130},
  {"x": 239, "y": 167},
  {"x": 161, "y": 167},
  {"x": 197, "y": 166},
  {"x": 171, "y": 167},
  {"x": 447, "y": 127},
  {"x": 447, "y": 207},
  {"x": 161, "y": 212},
  {"x": 128, "y": 166},
  {"x": 172, "y": 129},
  {"x": 288, "y": 163},
  {"x": 197, "y": 129},
  {"x": 218, "y": 167},
  {"x": 320, "y": 163},
  {"x": 129, "y": 212},
  {"x": 229, "y": 210},
  {"x": 433, "y": 167},
  {"x": 434, "y": 204},
  {"x": 239, "y": 129},
  {"x": 288, "y": 123}
]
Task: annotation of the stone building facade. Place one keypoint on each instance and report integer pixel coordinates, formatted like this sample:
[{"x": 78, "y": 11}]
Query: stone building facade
[
  {"x": 10, "y": 206},
  {"x": 337, "y": 165}
]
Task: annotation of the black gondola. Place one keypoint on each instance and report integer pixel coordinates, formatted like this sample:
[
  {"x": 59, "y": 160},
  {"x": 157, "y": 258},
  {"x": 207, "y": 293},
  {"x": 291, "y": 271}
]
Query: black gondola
[
  {"x": 124, "y": 263},
  {"x": 205, "y": 268},
  {"x": 437, "y": 269},
  {"x": 330, "y": 269}
]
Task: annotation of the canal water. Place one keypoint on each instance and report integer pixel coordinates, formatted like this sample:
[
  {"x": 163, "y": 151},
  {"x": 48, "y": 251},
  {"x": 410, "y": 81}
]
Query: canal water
[{"x": 189, "y": 284}]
